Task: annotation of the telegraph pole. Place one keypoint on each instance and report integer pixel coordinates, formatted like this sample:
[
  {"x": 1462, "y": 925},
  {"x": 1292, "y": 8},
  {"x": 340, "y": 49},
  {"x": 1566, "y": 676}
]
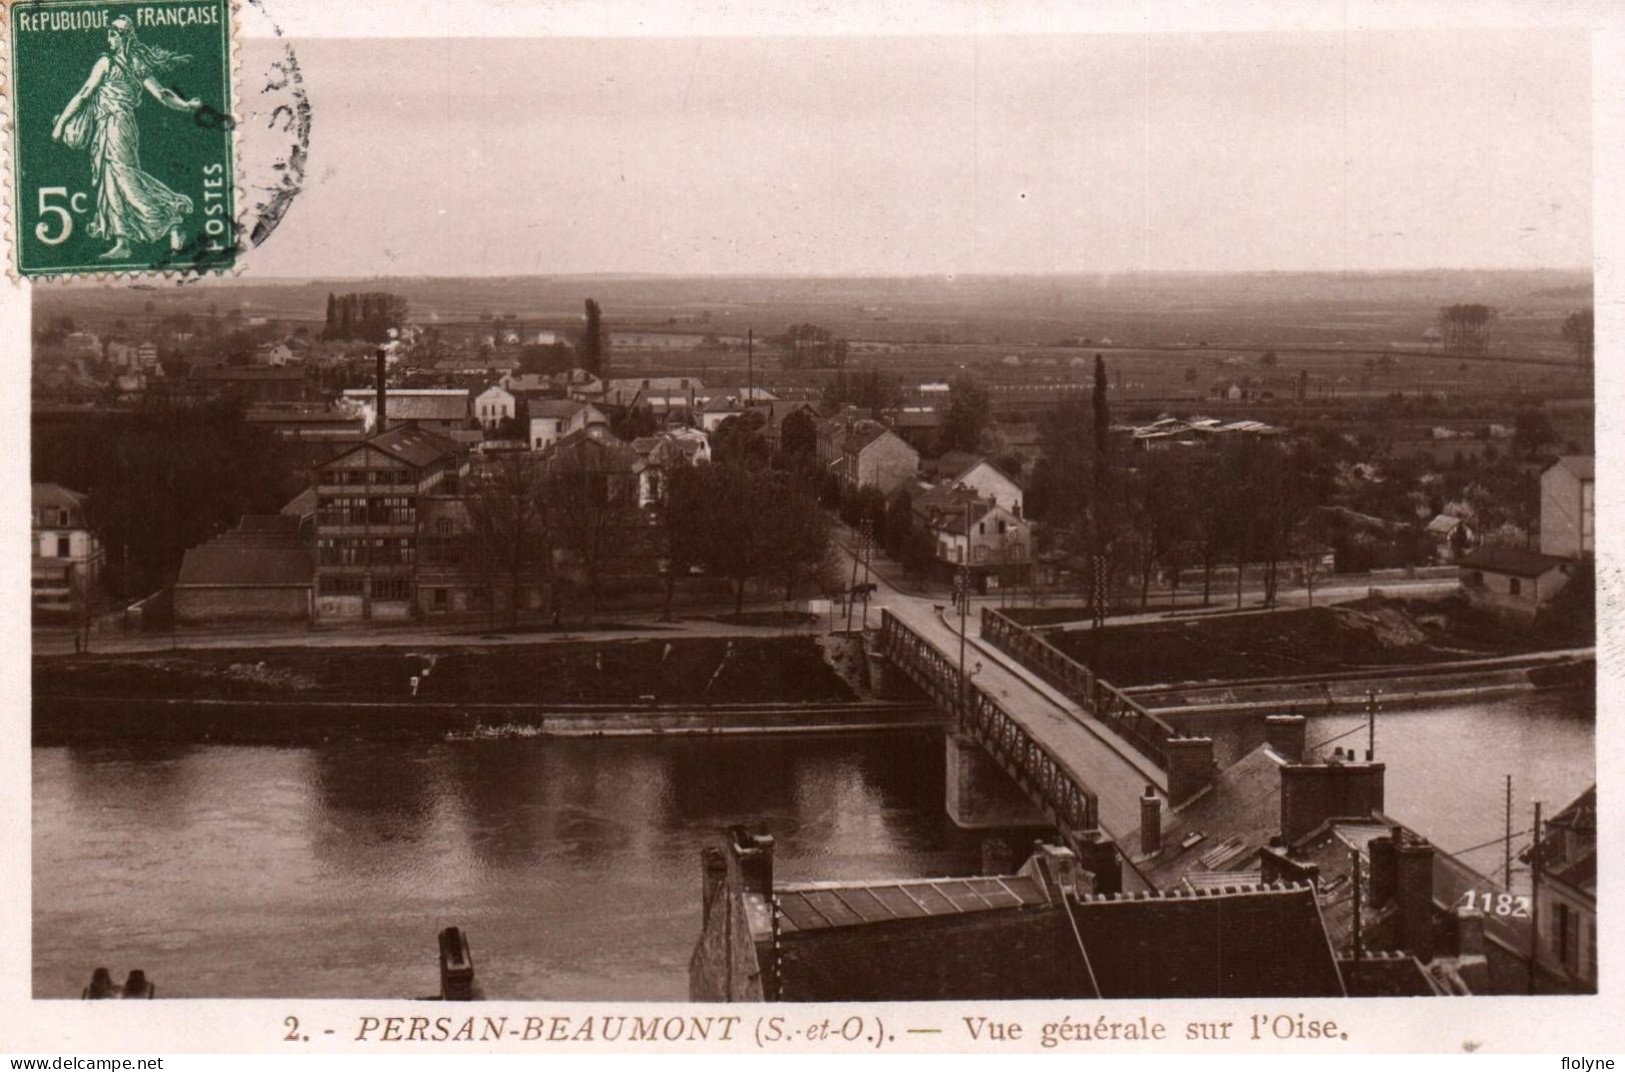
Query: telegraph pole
[
  {"x": 750, "y": 365},
  {"x": 1534, "y": 901},
  {"x": 868, "y": 543},
  {"x": 1507, "y": 866},
  {"x": 964, "y": 608},
  {"x": 1370, "y": 725}
]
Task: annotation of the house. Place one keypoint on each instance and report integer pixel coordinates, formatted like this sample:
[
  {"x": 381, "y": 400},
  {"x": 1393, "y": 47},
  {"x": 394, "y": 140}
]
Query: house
[
  {"x": 874, "y": 456},
  {"x": 990, "y": 482},
  {"x": 659, "y": 454},
  {"x": 494, "y": 405},
  {"x": 1566, "y": 898},
  {"x": 82, "y": 344},
  {"x": 442, "y": 410},
  {"x": 274, "y": 355},
  {"x": 1512, "y": 582},
  {"x": 1279, "y": 815},
  {"x": 375, "y": 506},
  {"x": 1568, "y": 507},
  {"x": 1452, "y": 537},
  {"x": 146, "y": 355},
  {"x": 973, "y": 534},
  {"x": 1433, "y": 338},
  {"x": 261, "y": 570},
  {"x": 255, "y": 385},
  {"x": 1039, "y": 933},
  {"x": 831, "y": 438},
  {"x": 67, "y": 558},
  {"x": 662, "y": 394},
  {"x": 551, "y": 419}
]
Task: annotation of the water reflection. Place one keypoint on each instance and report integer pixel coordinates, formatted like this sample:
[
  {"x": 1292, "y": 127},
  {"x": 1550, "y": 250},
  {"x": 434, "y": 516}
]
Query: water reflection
[{"x": 326, "y": 871}]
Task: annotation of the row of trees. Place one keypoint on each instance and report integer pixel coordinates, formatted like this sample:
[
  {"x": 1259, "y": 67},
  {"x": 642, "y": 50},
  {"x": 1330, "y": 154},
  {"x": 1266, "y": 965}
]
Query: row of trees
[
  {"x": 1248, "y": 501},
  {"x": 154, "y": 493},
  {"x": 575, "y": 515},
  {"x": 366, "y": 316},
  {"x": 807, "y": 346}
]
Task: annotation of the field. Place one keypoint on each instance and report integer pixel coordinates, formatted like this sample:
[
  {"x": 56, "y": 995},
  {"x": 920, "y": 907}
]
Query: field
[{"x": 1169, "y": 339}]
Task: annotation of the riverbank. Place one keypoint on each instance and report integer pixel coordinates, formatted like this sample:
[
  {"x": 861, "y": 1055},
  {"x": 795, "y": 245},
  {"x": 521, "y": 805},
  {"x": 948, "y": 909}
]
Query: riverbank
[
  {"x": 105, "y": 720},
  {"x": 1374, "y": 637},
  {"x": 602, "y": 687}
]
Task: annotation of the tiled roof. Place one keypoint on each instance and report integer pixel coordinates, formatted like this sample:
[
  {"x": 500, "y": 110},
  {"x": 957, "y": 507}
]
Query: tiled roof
[
  {"x": 1511, "y": 560},
  {"x": 817, "y": 906},
  {"x": 263, "y": 551},
  {"x": 58, "y": 497},
  {"x": 560, "y": 408},
  {"x": 1220, "y": 830},
  {"x": 417, "y": 447},
  {"x": 1583, "y": 466}
]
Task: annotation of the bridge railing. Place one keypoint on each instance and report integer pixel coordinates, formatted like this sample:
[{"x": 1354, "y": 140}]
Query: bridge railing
[
  {"x": 1027, "y": 760},
  {"x": 1110, "y": 706}
]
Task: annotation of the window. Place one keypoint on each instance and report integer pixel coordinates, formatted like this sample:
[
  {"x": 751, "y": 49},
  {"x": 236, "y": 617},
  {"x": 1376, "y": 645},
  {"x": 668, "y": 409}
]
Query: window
[
  {"x": 339, "y": 586},
  {"x": 1477, "y": 579},
  {"x": 441, "y": 602},
  {"x": 1516, "y": 586},
  {"x": 1567, "y": 947},
  {"x": 442, "y": 526},
  {"x": 63, "y": 547},
  {"x": 63, "y": 520},
  {"x": 391, "y": 588},
  {"x": 1001, "y": 528}
]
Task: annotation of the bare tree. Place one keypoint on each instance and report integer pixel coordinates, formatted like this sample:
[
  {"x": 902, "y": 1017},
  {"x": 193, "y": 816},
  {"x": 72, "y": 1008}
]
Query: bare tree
[
  {"x": 507, "y": 530},
  {"x": 593, "y": 515}
]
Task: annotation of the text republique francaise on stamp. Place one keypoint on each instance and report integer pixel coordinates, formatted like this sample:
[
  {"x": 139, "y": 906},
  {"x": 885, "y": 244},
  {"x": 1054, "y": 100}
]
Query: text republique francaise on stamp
[{"x": 121, "y": 139}]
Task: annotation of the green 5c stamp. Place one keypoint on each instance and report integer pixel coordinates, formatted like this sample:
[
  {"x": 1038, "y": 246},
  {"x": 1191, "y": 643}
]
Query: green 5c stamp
[{"x": 122, "y": 142}]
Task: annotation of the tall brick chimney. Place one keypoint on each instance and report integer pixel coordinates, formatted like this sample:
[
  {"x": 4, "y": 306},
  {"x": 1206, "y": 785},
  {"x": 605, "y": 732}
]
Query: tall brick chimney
[
  {"x": 1311, "y": 793},
  {"x": 1287, "y": 736},
  {"x": 1150, "y": 822},
  {"x": 381, "y": 424},
  {"x": 1413, "y": 874}
]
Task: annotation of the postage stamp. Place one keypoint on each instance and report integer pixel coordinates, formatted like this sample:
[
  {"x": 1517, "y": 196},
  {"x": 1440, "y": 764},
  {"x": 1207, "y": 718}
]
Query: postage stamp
[{"x": 122, "y": 136}]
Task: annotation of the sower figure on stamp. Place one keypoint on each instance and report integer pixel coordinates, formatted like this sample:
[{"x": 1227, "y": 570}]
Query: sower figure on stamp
[{"x": 131, "y": 205}]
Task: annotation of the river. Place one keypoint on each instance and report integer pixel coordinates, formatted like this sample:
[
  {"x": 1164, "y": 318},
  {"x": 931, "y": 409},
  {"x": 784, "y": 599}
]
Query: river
[{"x": 573, "y": 863}]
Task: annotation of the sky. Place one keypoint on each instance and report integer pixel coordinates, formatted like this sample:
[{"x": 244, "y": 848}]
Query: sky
[{"x": 971, "y": 153}]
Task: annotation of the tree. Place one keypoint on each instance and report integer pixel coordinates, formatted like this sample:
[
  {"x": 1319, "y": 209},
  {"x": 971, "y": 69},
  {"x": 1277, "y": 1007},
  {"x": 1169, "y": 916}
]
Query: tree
[
  {"x": 798, "y": 437},
  {"x": 635, "y": 423},
  {"x": 680, "y": 522},
  {"x": 742, "y": 440},
  {"x": 1269, "y": 360},
  {"x": 809, "y": 346},
  {"x": 869, "y": 389},
  {"x": 591, "y": 496},
  {"x": 1579, "y": 329},
  {"x": 738, "y": 547},
  {"x": 154, "y": 494},
  {"x": 797, "y": 530},
  {"x": 507, "y": 524},
  {"x": 969, "y": 409},
  {"x": 1531, "y": 430},
  {"x": 1466, "y": 327},
  {"x": 1102, "y": 516},
  {"x": 592, "y": 347}
]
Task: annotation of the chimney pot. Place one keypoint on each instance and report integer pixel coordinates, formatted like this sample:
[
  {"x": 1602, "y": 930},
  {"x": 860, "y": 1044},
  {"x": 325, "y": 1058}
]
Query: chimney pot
[{"x": 1150, "y": 822}]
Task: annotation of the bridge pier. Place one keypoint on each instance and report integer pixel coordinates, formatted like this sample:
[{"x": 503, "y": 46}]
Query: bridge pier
[{"x": 982, "y": 800}]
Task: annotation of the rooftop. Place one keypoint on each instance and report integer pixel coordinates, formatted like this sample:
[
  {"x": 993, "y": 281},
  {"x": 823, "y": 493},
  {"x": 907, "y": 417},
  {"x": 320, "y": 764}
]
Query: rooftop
[
  {"x": 1511, "y": 560},
  {"x": 1583, "y": 466}
]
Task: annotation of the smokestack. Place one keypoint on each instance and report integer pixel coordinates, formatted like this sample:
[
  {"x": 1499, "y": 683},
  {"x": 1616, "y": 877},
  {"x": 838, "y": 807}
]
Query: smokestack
[
  {"x": 381, "y": 423},
  {"x": 1286, "y": 735},
  {"x": 1150, "y": 822}
]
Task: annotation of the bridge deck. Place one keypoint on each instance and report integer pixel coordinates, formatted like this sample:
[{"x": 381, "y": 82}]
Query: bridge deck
[{"x": 1108, "y": 767}]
